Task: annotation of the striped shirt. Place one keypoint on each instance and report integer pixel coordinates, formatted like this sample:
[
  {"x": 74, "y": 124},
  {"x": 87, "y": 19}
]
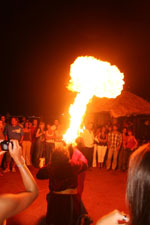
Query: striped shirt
[{"x": 114, "y": 139}]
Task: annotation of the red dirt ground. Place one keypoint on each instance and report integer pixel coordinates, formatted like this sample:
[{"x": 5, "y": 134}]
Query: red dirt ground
[{"x": 104, "y": 191}]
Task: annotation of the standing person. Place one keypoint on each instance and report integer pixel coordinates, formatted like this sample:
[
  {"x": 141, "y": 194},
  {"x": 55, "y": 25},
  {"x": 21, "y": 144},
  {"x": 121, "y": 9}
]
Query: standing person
[
  {"x": 23, "y": 121},
  {"x": 88, "y": 143},
  {"x": 29, "y": 124},
  {"x": 122, "y": 165},
  {"x": 12, "y": 131},
  {"x": 12, "y": 204},
  {"x": 131, "y": 145},
  {"x": 26, "y": 144},
  {"x": 114, "y": 143},
  {"x": 101, "y": 141},
  {"x": 3, "y": 119},
  {"x": 94, "y": 163},
  {"x": 108, "y": 127},
  {"x": 58, "y": 137},
  {"x": 49, "y": 145},
  {"x": 34, "y": 130},
  {"x": 56, "y": 127},
  {"x": 39, "y": 146}
]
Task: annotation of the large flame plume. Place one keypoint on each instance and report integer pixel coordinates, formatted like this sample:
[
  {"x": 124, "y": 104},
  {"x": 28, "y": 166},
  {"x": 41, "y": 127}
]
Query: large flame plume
[{"x": 90, "y": 77}]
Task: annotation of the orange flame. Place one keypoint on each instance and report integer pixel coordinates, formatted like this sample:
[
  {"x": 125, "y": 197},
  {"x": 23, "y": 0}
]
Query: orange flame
[{"x": 89, "y": 77}]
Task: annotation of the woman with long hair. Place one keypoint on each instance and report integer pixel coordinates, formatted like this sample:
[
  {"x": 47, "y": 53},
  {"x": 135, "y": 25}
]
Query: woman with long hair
[
  {"x": 101, "y": 142},
  {"x": 26, "y": 143},
  {"x": 49, "y": 145},
  {"x": 131, "y": 145},
  {"x": 39, "y": 145}
]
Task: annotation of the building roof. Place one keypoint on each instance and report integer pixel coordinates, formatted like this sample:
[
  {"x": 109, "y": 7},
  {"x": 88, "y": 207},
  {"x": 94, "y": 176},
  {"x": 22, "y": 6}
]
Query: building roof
[{"x": 125, "y": 104}]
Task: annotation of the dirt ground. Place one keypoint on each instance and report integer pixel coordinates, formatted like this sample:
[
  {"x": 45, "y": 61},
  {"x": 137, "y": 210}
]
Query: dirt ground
[{"x": 104, "y": 191}]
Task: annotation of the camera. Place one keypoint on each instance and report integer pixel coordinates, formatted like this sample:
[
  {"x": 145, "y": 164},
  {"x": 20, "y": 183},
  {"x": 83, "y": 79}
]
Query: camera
[{"x": 5, "y": 145}]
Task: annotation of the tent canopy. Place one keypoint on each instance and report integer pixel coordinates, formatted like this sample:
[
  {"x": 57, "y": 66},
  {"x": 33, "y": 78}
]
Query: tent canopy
[{"x": 125, "y": 104}]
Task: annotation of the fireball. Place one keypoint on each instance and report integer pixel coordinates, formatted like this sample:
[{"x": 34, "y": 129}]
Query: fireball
[{"x": 90, "y": 77}]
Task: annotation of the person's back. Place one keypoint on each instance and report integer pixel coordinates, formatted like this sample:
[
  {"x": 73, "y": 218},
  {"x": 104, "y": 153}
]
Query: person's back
[{"x": 64, "y": 202}]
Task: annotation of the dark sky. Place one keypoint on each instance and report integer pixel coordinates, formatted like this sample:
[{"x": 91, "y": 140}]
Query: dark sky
[{"x": 39, "y": 42}]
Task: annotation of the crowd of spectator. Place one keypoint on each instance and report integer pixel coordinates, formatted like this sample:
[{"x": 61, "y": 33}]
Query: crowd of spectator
[
  {"x": 37, "y": 139},
  {"x": 107, "y": 146}
]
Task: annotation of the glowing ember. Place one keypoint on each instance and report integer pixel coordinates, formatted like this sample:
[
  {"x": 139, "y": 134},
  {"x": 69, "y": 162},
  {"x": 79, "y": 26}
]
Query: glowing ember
[{"x": 89, "y": 77}]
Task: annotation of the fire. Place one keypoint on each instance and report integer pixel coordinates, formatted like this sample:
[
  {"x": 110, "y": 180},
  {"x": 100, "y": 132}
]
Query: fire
[{"x": 90, "y": 77}]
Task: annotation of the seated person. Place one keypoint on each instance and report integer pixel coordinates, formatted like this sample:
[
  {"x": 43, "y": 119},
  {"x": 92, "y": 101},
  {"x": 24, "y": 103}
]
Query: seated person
[
  {"x": 64, "y": 202},
  {"x": 11, "y": 204},
  {"x": 138, "y": 191}
]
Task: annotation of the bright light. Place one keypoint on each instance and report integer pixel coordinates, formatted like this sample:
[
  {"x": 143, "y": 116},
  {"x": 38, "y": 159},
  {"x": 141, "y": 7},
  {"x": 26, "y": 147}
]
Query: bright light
[{"x": 89, "y": 77}]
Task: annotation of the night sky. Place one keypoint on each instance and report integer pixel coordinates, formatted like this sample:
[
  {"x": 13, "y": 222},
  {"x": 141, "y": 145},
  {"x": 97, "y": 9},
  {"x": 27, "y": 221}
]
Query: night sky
[{"x": 39, "y": 42}]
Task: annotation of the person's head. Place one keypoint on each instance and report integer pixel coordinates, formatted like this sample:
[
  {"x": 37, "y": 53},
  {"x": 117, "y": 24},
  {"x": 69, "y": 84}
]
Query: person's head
[
  {"x": 3, "y": 119},
  {"x": 90, "y": 126},
  {"x": 26, "y": 125},
  {"x": 98, "y": 130},
  {"x": 35, "y": 123},
  {"x": 29, "y": 125},
  {"x": 60, "y": 157},
  {"x": 14, "y": 121},
  {"x": 23, "y": 119},
  {"x": 42, "y": 125},
  {"x": 115, "y": 127},
  {"x": 124, "y": 130},
  {"x": 48, "y": 126},
  {"x": 56, "y": 123},
  {"x": 138, "y": 187},
  {"x": 103, "y": 129},
  {"x": 109, "y": 128},
  {"x": 130, "y": 133}
]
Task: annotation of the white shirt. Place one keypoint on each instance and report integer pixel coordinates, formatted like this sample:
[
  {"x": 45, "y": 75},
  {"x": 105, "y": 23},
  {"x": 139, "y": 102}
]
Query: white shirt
[
  {"x": 88, "y": 138},
  {"x": 49, "y": 138}
]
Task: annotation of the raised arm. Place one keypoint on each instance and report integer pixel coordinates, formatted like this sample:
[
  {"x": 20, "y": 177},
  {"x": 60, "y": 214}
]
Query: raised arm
[{"x": 11, "y": 204}]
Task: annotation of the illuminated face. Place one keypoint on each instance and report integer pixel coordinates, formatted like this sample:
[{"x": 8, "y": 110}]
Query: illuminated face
[
  {"x": 48, "y": 126},
  {"x": 56, "y": 122},
  {"x": 3, "y": 118},
  {"x": 42, "y": 126},
  {"x": 124, "y": 131},
  {"x": 23, "y": 119},
  {"x": 26, "y": 125},
  {"x": 103, "y": 129},
  {"x": 115, "y": 128},
  {"x": 35, "y": 123},
  {"x": 90, "y": 126},
  {"x": 13, "y": 121},
  {"x": 110, "y": 128},
  {"x": 30, "y": 125},
  {"x": 130, "y": 133}
]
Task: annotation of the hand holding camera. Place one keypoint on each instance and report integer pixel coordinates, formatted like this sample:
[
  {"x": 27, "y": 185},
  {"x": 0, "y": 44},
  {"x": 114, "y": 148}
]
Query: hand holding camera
[
  {"x": 14, "y": 149},
  {"x": 113, "y": 218}
]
